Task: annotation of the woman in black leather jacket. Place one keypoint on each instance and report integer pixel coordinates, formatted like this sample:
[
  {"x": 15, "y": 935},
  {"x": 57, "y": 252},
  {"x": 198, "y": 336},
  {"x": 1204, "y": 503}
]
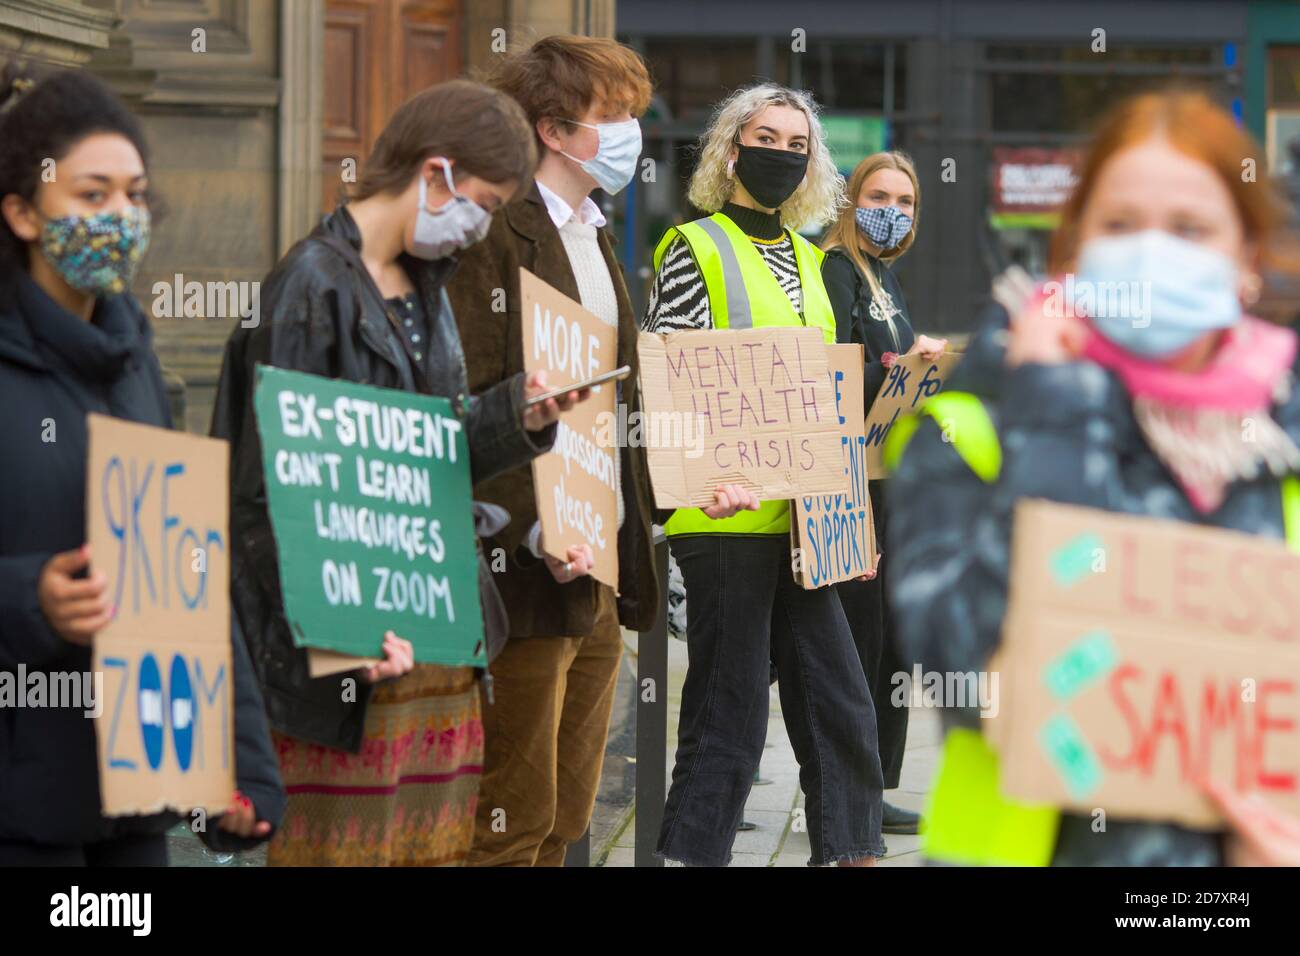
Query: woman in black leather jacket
[{"x": 389, "y": 774}]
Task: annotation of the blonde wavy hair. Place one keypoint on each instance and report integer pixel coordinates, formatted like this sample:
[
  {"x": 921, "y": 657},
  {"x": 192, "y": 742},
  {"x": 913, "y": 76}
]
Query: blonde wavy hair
[
  {"x": 844, "y": 233},
  {"x": 820, "y": 195}
]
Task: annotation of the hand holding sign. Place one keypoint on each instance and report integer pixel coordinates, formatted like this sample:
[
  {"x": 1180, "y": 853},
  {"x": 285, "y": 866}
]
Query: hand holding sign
[
  {"x": 241, "y": 819},
  {"x": 578, "y": 563},
  {"x": 75, "y": 609},
  {"x": 928, "y": 348},
  {"x": 399, "y": 659},
  {"x": 1262, "y": 835},
  {"x": 730, "y": 500}
]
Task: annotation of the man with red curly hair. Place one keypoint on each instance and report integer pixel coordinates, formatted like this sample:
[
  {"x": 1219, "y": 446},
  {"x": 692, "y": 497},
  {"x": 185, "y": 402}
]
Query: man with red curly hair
[{"x": 553, "y": 685}]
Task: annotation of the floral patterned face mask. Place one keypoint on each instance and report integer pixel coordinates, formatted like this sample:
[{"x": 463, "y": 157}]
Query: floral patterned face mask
[{"x": 97, "y": 254}]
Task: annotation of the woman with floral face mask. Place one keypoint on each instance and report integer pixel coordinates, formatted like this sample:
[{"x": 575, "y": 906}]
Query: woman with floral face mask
[
  {"x": 870, "y": 235},
  {"x": 764, "y": 172},
  {"x": 1135, "y": 381},
  {"x": 389, "y": 775},
  {"x": 74, "y": 199}
]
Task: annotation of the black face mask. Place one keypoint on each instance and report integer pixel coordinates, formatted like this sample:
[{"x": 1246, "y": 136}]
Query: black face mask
[{"x": 770, "y": 175}]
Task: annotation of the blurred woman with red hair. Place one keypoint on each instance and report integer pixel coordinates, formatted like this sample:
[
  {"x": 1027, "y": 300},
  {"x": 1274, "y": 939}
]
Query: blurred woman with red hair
[{"x": 1136, "y": 403}]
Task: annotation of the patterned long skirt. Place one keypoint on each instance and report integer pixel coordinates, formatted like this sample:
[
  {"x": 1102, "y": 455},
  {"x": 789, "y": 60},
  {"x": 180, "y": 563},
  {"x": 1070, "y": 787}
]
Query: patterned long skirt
[{"x": 408, "y": 798}]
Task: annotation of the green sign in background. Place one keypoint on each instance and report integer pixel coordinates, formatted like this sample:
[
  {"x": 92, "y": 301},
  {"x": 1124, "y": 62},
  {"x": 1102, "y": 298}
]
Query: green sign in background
[
  {"x": 340, "y": 593},
  {"x": 852, "y": 139}
]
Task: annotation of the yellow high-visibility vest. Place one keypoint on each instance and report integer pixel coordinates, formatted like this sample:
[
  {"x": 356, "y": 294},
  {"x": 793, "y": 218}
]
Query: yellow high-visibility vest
[
  {"x": 967, "y": 820},
  {"x": 744, "y": 294}
]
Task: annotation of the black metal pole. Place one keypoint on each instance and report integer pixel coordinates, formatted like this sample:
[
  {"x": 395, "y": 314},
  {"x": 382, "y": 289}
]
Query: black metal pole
[{"x": 652, "y": 722}]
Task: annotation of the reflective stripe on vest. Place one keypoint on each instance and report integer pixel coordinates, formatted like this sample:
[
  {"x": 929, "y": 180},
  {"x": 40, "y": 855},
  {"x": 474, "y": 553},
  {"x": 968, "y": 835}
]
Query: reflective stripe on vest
[
  {"x": 967, "y": 820},
  {"x": 965, "y": 423},
  {"x": 744, "y": 294}
]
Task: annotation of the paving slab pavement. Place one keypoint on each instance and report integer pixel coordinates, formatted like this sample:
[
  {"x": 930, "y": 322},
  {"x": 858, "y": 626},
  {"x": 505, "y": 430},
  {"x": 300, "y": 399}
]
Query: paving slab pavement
[{"x": 779, "y": 838}]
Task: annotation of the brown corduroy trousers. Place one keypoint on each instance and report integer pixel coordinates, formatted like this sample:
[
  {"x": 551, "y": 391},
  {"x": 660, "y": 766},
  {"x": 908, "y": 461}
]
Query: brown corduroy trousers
[{"x": 544, "y": 742}]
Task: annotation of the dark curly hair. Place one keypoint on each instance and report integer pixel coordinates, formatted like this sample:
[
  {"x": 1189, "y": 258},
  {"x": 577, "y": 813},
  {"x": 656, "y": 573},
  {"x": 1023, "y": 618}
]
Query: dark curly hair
[{"x": 43, "y": 115}]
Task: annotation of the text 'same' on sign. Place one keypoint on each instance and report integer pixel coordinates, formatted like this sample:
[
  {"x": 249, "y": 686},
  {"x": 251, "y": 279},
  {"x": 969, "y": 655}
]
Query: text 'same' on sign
[{"x": 1140, "y": 656}]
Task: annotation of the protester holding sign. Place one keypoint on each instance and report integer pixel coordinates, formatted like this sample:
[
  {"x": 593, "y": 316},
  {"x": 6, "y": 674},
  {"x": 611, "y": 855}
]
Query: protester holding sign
[
  {"x": 74, "y": 341},
  {"x": 872, "y": 232},
  {"x": 764, "y": 171},
  {"x": 555, "y": 681},
  {"x": 1146, "y": 389},
  {"x": 384, "y": 774}
]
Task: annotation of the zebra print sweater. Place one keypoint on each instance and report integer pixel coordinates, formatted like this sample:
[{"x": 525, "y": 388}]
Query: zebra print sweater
[{"x": 678, "y": 298}]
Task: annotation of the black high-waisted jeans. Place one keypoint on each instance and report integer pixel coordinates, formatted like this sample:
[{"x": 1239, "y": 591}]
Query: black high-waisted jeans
[{"x": 743, "y": 609}]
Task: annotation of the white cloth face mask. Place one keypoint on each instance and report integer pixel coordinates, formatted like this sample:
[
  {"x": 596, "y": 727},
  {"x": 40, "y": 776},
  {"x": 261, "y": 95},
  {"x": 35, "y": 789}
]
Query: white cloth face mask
[{"x": 619, "y": 147}]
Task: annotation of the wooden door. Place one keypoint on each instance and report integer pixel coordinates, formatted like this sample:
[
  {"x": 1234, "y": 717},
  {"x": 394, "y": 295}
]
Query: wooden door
[{"x": 378, "y": 53}]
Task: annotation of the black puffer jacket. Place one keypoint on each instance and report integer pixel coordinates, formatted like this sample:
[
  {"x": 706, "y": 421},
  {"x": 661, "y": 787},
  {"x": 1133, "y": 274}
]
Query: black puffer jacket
[
  {"x": 54, "y": 368},
  {"x": 321, "y": 313},
  {"x": 1068, "y": 434}
]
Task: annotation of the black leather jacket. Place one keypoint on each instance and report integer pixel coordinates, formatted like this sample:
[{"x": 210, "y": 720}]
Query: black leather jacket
[{"x": 320, "y": 313}]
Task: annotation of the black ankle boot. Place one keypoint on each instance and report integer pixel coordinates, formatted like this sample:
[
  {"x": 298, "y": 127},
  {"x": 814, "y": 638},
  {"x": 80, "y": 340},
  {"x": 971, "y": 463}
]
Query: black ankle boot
[{"x": 897, "y": 820}]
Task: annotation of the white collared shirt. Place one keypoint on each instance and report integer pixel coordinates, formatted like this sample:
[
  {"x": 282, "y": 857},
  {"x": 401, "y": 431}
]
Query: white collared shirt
[
  {"x": 595, "y": 292},
  {"x": 589, "y": 213}
]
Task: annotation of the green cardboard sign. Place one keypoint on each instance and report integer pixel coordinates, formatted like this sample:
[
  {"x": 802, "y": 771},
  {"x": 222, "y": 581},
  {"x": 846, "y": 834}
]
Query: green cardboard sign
[{"x": 369, "y": 495}]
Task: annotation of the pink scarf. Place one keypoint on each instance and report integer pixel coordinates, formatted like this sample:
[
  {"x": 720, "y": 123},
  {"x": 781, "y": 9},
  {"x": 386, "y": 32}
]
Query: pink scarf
[{"x": 1213, "y": 426}]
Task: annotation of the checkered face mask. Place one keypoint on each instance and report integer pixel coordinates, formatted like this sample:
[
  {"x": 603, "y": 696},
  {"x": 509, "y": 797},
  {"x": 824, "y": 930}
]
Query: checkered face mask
[
  {"x": 886, "y": 226},
  {"x": 99, "y": 254}
]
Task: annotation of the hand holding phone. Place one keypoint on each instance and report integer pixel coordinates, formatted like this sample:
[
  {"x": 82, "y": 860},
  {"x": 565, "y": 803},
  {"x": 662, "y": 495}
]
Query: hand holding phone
[{"x": 617, "y": 375}]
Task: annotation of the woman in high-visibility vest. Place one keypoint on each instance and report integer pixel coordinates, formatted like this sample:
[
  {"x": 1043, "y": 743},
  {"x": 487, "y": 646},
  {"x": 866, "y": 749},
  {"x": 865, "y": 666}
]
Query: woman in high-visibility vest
[
  {"x": 875, "y": 228},
  {"x": 1172, "y": 403},
  {"x": 764, "y": 171}
]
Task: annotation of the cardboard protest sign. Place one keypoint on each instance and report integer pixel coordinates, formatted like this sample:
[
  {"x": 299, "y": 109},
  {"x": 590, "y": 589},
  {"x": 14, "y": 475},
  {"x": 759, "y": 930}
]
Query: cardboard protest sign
[
  {"x": 910, "y": 380},
  {"x": 158, "y": 528},
  {"x": 369, "y": 495},
  {"x": 752, "y": 407},
  {"x": 834, "y": 535},
  {"x": 324, "y": 663},
  {"x": 1139, "y": 656},
  {"x": 577, "y": 481}
]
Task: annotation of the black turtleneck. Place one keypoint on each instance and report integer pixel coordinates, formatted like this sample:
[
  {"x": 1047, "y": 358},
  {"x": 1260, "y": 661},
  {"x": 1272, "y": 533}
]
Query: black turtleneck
[{"x": 755, "y": 224}]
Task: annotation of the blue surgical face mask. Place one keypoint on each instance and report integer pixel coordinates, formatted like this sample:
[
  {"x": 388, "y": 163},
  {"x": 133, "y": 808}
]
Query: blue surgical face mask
[
  {"x": 1152, "y": 293},
  {"x": 457, "y": 224},
  {"x": 886, "y": 226},
  {"x": 614, "y": 164}
]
